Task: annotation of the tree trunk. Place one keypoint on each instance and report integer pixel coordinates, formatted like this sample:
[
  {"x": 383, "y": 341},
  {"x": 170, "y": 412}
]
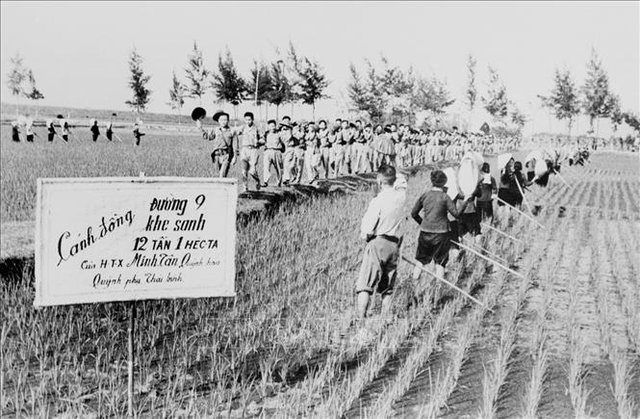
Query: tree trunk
[
  {"x": 277, "y": 112},
  {"x": 597, "y": 127},
  {"x": 313, "y": 111}
]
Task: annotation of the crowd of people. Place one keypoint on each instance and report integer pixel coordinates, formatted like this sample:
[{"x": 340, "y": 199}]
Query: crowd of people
[
  {"x": 307, "y": 150},
  {"x": 22, "y": 129},
  {"x": 630, "y": 143},
  {"x": 461, "y": 199}
]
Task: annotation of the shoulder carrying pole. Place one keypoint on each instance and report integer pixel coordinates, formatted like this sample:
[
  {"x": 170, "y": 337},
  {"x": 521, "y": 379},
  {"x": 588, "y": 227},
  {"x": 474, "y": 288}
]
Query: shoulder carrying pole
[{"x": 475, "y": 300}]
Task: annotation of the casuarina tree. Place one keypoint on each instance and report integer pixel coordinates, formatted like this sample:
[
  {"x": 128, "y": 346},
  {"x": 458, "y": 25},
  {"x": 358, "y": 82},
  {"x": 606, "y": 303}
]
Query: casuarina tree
[
  {"x": 496, "y": 102},
  {"x": 176, "y": 96},
  {"x": 138, "y": 81},
  {"x": 312, "y": 82},
  {"x": 280, "y": 88},
  {"x": 197, "y": 75},
  {"x": 227, "y": 82},
  {"x": 595, "y": 91},
  {"x": 563, "y": 99}
]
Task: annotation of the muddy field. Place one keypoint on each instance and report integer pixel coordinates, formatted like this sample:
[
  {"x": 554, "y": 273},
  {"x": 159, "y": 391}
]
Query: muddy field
[{"x": 558, "y": 338}]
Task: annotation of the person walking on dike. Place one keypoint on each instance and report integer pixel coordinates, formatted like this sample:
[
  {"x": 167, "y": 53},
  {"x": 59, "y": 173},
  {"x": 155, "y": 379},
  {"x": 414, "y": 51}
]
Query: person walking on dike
[
  {"x": 225, "y": 144},
  {"x": 487, "y": 189},
  {"x": 312, "y": 156},
  {"x": 136, "y": 132},
  {"x": 380, "y": 226},
  {"x": 95, "y": 130},
  {"x": 299, "y": 151},
  {"x": 325, "y": 147},
  {"x": 272, "y": 154},
  {"x": 434, "y": 239},
  {"x": 250, "y": 141},
  {"x": 289, "y": 155}
]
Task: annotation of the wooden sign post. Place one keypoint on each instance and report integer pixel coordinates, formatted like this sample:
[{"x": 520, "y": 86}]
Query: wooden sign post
[{"x": 129, "y": 239}]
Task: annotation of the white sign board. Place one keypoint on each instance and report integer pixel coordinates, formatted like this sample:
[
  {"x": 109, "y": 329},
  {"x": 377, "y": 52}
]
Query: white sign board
[{"x": 117, "y": 239}]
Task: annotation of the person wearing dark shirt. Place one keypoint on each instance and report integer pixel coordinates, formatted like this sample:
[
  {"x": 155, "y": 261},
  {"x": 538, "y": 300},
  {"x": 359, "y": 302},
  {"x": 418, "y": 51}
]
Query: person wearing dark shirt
[
  {"x": 137, "y": 133},
  {"x": 109, "y": 130},
  {"x": 51, "y": 131},
  {"x": 434, "y": 240},
  {"x": 518, "y": 182},
  {"x": 15, "y": 132},
  {"x": 487, "y": 189},
  {"x": 95, "y": 131},
  {"x": 505, "y": 191}
]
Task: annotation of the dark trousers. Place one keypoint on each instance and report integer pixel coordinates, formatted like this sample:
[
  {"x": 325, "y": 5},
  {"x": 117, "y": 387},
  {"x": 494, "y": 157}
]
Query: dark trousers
[{"x": 485, "y": 208}]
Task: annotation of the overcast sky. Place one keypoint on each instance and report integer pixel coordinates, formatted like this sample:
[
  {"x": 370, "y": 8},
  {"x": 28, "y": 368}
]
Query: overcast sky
[{"x": 78, "y": 51}]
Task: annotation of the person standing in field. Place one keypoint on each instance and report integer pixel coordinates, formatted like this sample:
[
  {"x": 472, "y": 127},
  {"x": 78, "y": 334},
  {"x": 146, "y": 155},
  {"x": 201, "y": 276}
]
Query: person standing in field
[
  {"x": 51, "y": 130},
  {"x": 380, "y": 227},
  {"x": 505, "y": 187},
  {"x": 272, "y": 154},
  {"x": 225, "y": 144},
  {"x": 136, "y": 132},
  {"x": 95, "y": 130},
  {"x": 518, "y": 183},
  {"x": 250, "y": 141},
  {"x": 487, "y": 189},
  {"x": 434, "y": 239},
  {"x": 15, "y": 131},
  {"x": 28, "y": 128},
  {"x": 109, "y": 128}
]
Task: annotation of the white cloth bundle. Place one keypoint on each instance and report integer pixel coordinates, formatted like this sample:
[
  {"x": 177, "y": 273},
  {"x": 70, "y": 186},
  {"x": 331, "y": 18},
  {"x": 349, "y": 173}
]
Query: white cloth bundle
[
  {"x": 452, "y": 182},
  {"x": 468, "y": 175}
]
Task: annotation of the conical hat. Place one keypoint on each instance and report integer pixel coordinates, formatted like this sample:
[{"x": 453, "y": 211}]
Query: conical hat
[
  {"x": 535, "y": 154},
  {"x": 479, "y": 158},
  {"x": 503, "y": 159},
  {"x": 452, "y": 182},
  {"x": 468, "y": 175}
]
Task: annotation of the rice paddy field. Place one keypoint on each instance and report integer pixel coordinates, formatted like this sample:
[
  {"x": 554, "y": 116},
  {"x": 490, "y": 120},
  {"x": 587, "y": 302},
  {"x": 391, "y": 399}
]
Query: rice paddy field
[{"x": 558, "y": 337}]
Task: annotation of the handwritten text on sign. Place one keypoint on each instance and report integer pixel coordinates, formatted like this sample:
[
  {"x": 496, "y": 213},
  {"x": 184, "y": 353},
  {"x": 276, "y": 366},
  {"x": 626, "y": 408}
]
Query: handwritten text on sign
[{"x": 116, "y": 239}]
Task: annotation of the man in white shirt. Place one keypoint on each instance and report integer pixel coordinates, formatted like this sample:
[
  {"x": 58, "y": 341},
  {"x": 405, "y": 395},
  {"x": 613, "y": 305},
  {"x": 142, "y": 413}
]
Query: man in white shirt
[{"x": 380, "y": 227}]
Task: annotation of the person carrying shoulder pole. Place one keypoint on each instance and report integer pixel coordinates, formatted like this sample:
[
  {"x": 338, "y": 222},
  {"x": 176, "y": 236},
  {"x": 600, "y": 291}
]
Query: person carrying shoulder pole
[
  {"x": 380, "y": 226},
  {"x": 434, "y": 239},
  {"x": 488, "y": 191}
]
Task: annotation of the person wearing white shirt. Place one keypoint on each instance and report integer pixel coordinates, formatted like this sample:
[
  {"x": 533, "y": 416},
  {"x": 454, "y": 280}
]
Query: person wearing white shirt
[{"x": 380, "y": 226}]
